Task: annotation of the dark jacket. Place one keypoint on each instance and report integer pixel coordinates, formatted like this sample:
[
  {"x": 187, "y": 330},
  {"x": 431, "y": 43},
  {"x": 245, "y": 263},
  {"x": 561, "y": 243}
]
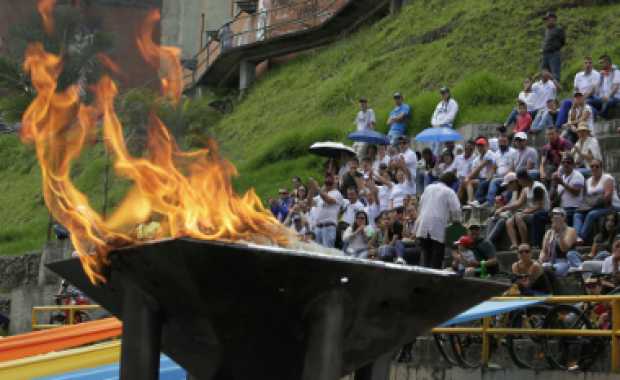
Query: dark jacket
[{"x": 554, "y": 40}]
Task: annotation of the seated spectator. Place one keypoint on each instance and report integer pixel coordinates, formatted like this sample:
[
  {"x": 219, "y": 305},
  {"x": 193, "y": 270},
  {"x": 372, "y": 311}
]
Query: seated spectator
[
  {"x": 364, "y": 121},
  {"x": 526, "y": 157},
  {"x": 602, "y": 245},
  {"x": 281, "y": 206},
  {"x": 546, "y": 117},
  {"x": 399, "y": 119},
  {"x": 545, "y": 88},
  {"x": 482, "y": 173},
  {"x": 558, "y": 245},
  {"x": 357, "y": 236},
  {"x": 530, "y": 274},
  {"x": 585, "y": 150},
  {"x": 384, "y": 184},
  {"x": 535, "y": 198},
  {"x": 609, "y": 87},
  {"x": 523, "y": 121},
  {"x": 504, "y": 210},
  {"x": 464, "y": 165},
  {"x": 301, "y": 194},
  {"x": 485, "y": 260},
  {"x": 568, "y": 184},
  {"x": 455, "y": 149},
  {"x": 402, "y": 188},
  {"x": 381, "y": 158},
  {"x": 611, "y": 265},
  {"x": 601, "y": 197},
  {"x": 529, "y": 97},
  {"x": 409, "y": 159},
  {"x": 429, "y": 164},
  {"x": 366, "y": 168},
  {"x": 297, "y": 221},
  {"x": 444, "y": 114},
  {"x": 351, "y": 177},
  {"x": 350, "y": 206},
  {"x": 580, "y": 112},
  {"x": 446, "y": 165},
  {"x": 328, "y": 202},
  {"x": 386, "y": 242},
  {"x": 463, "y": 257},
  {"x": 309, "y": 237},
  {"x": 588, "y": 80},
  {"x": 552, "y": 153},
  {"x": 506, "y": 157}
]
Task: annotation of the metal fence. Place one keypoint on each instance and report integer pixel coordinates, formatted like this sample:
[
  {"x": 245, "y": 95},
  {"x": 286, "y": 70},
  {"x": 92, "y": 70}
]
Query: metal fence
[{"x": 71, "y": 310}]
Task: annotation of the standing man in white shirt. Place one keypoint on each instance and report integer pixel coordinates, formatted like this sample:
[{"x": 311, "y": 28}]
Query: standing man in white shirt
[
  {"x": 438, "y": 206},
  {"x": 586, "y": 82},
  {"x": 364, "y": 121},
  {"x": 328, "y": 202},
  {"x": 444, "y": 114}
]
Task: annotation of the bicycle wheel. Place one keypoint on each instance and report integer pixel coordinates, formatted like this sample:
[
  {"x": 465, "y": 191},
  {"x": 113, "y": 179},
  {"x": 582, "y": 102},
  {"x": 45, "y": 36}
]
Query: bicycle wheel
[
  {"x": 467, "y": 348},
  {"x": 564, "y": 352},
  {"x": 527, "y": 351},
  {"x": 442, "y": 341}
]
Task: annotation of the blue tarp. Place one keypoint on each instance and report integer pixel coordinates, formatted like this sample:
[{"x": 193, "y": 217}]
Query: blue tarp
[
  {"x": 168, "y": 370},
  {"x": 489, "y": 309}
]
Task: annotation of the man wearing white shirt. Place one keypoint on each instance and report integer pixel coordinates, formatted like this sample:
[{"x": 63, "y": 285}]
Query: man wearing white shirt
[
  {"x": 410, "y": 159},
  {"x": 506, "y": 157},
  {"x": 328, "y": 202},
  {"x": 568, "y": 184},
  {"x": 586, "y": 82},
  {"x": 464, "y": 165},
  {"x": 545, "y": 88},
  {"x": 364, "y": 121},
  {"x": 444, "y": 114},
  {"x": 609, "y": 87},
  {"x": 481, "y": 175},
  {"x": 438, "y": 206}
]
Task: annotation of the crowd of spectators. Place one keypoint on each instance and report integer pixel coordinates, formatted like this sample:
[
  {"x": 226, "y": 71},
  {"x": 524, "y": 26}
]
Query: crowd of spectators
[{"x": 392, "y": 203}]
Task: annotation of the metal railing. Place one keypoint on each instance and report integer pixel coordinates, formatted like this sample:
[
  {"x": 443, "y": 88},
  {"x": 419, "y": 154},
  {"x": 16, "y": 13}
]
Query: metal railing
[
  {"x": 261, "y": 26},
  {"x": 487, "y": 331},
  {"x": 70, "y": 309}
]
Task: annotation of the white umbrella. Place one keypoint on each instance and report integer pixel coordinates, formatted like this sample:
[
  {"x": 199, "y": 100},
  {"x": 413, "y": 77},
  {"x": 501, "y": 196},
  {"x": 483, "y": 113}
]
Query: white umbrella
[{"x": 331, "y": 149}]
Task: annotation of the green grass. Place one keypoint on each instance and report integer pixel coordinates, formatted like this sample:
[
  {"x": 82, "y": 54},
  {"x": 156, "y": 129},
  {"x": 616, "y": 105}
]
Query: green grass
[{"x": 482, "y": 49}]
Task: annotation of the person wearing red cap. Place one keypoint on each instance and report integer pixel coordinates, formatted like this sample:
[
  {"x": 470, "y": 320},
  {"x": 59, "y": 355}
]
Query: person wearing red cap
[
  {"x": 482, "y": 174},
  {"x": 462, "y": 256}
]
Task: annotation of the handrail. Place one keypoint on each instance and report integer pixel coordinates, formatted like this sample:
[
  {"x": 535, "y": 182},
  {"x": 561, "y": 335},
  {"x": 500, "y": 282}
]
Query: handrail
[
  {"x": 40, "y": 342},
  {"x": 486, "y": 330},
  {"x": 72, "y": 309},
  {"x": 246, "y": 30}
]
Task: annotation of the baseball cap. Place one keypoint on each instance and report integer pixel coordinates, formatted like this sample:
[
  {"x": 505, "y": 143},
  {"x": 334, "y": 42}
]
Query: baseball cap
[
  {"x": 465, "y": 241},
  {"x": 397, "y": 95},
  {"x": 481, "y": 141},
  {"x": 363, "y": 100},
  {"x": 444, "y": 89},
  {"x": 521, "y": 136},
  {"x": 558, "y": 211},
  {"x": 550, "y": 14},
  {"x": 509, "y": 177},
  {"x": 402, "y": 138},
  {"x": 577, "y": 92}
]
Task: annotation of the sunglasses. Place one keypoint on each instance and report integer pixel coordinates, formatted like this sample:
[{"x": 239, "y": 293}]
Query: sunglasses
[
  {"x": 524, "y": 251},
  {"x": 595, "y": 166}
]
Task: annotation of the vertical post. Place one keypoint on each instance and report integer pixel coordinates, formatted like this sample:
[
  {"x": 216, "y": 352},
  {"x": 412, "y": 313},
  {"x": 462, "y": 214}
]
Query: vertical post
[
  {"x": 247, "y": 75},
  {"x": 395, "y": 6},
  {"x": 71, "y": 316},
  {"x": 486, "y": 344},
  {"x": 141, "y": 340},
  {"x": 615, "y": 337},
  {"x": 324, "y": 322},
  {"x": 33, "y": 318}
]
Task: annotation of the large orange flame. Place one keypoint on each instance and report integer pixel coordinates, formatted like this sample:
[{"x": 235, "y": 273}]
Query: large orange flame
[
  {"x": 179, "y": 193},
  {"x": 46, "y": 8}
]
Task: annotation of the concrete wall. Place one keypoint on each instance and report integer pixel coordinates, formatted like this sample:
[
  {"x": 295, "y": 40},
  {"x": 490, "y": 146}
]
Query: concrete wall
[{"x": 402, "y": 372}]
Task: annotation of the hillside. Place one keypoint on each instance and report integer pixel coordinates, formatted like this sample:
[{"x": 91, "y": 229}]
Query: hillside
[{"x": 480, "y": 48}]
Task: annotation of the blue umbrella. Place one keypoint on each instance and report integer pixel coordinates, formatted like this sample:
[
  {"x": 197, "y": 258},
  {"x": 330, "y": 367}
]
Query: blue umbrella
[
  {"x": 438, "y": 135},
  {"x": 369, "y": 136}
]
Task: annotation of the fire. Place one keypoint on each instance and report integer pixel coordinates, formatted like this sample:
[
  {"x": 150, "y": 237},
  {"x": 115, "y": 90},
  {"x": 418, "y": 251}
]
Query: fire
[
  {"x": 175, "y": 193},
  {"x": 46, "y": 8}
]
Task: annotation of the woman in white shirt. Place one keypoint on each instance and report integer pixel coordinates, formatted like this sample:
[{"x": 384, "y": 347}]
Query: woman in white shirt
[
  {"x": 401, "y": 189},
  {"x": 585, "y": 150},
  {"x": 357, "y": 236},
  {"x": 601, "y": 197}
]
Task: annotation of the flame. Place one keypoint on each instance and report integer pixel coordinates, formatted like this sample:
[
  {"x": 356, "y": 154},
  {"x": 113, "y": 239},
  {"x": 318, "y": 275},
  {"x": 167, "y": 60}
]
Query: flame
[
  {"x": 174, "y": 193},
  {"x": 46, "y": 9}
]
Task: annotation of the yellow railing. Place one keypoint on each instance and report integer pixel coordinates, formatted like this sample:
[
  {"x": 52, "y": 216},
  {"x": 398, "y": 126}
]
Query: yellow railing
[
  {"x": 486, "y": 330},
  {"x": 71, "y": 309}
]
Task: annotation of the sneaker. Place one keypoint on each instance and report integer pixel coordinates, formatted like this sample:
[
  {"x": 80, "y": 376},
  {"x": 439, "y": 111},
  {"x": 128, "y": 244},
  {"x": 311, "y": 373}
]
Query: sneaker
[
  {"x": 466, "y": 207},
  {"x": 474, "y": 204}
]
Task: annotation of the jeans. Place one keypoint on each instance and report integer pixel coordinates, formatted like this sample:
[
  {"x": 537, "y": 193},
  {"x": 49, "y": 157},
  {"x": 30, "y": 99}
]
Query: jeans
[
  {"x": 552, "y": 61},
  {"x": 494, "y": 186},
  {"x": 540, "y": 219},
  {"x": 360, "y": 253},
  {"x": 482, "y": 190},
  {"x": 389, "y": 253},
  {"x": 561, "y": 266},
  {"x": 542, "y": 121},
  {"x": 326, "y": 236},
  {"x": 570, "y": 215},
  {"x": 393, "y": 136},
  {"x": 420, "y": 180},
  {"x": 562, "y": 118},
  {"x": 495, "y": 227},
  {"x": 429, "y": 179},
  {"x": 584, "y": 220},
  {"x": 585, "y": 171}
]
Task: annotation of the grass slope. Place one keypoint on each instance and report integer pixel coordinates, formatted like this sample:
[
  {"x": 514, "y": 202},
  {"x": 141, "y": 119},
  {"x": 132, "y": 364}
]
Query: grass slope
[{"x": 481, "y": 48}]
